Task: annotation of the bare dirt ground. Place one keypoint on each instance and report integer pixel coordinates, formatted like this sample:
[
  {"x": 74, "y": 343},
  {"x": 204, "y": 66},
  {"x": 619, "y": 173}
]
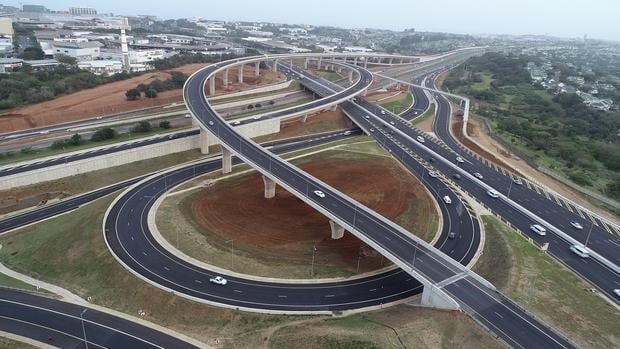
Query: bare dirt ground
[
  {"x": 286, "y": 229},
  {"x": 317, "y": 123},
  {"x": 110, "y": 98}
]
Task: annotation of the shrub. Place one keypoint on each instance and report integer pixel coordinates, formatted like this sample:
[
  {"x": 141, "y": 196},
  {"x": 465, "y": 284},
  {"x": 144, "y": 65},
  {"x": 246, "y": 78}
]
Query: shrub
[
  {"x": 164, "y": 124},
  {"x": 103, "y": 134},
  {"x": 133, "y": 94},
  {"x": 142, "y": 127}
]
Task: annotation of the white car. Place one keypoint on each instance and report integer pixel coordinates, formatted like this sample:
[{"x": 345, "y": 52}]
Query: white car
[
  {"x": 576, "y": 225},
  {"x": 580, "y": 251},
  {"x": 392, "y": 123},
  {"x": 187, "y": 116},
  {"x": 218, "y": 280},
  {"x": 372, "y": 130},
  {"x": 319, "y": 193},
  {"x": 346, "y": 133},
  {"x": 211, "y": 123},
  {"x": 433, "y": 174},
  {"x": 617, "y": 291},
  {"x": 538, "y": 229},
  {"x": 44, "y": 132},
  {"x": 493, "y": 193},
  {"x": 237, "y": 123},
  {"x": 460, "y": 160},
  {"x": 257, "y": 117},
  {"x": 367, "y": 116},
  {"x": 447, "y": 199},
  {"x": 517, "y": 181},
  {"x": 420, "y": 139},
  {"x": 383, "y": 112},
  {"x": 478, "y": 175}
]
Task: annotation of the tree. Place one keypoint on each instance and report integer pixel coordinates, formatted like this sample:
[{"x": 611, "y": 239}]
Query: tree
[
  {"x": 103, "y": 134},
  {"x": 165, "y": 124},
  {"x": 150, "y": 93},
  {"x": 65, "y": 59},
  {"x": 32, "y": 53},
  {"x": 257, "y": 105},
  {"x": 133, "y": 94},
  {"x": 142, "y": 127},
  {"x": 76, "y": 139},
  {"x": 271, "y": 102}
]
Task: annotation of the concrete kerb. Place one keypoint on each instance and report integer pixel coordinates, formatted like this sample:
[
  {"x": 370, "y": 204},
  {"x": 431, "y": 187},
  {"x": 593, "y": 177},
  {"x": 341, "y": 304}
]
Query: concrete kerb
[
  {"x": 26, "y": 340},
  {"x": 152, "y": 225}
]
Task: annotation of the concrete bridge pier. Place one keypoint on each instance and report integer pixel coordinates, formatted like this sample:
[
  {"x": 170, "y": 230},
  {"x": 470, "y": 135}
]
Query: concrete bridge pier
[
  {"x": 270, "y": 187},
  {"x": 306, "y": 63},
  {"x": 355, "y": 61},
  {"x": 304, "y": 118},
  {"x": 318, "y": 65},
  {"x": 226, "y": 160},
  {"x": 204, "y": 139},
  {"x": 225, "y": 78},
  {"x": 257, "y": 69},
  {"x": 240, "y": 77},
  {"x": 337, "y": 230},
  {"x": 212, "y": 86},
  {"x": 275, "y": 65},
  {"x": 365, "y": 62},
  {"x": 350, "y": 75}
]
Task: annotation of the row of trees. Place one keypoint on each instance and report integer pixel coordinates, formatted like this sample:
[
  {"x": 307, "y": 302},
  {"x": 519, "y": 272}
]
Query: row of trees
[{"x": 150, "y": 90}]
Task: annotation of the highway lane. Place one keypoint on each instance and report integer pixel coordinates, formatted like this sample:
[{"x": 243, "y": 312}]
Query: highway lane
[
  {"x": 516, "y": 327},
  {"x": 60, "y": 324},
  {"x": 414, "y": 255}
]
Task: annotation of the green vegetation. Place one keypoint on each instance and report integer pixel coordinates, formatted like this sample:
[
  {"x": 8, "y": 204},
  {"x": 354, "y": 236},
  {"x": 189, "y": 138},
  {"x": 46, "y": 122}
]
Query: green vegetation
[
  {"x": 27, "y": 87},
  {"x": 8, "y": 281},
  {"x": 399, "y": 105},
  {"x": 258, "y": 108},
  {"x": 329, "y": 75},
  {"x": 546, "y": 288},
  {"x": 294, "y": 86},
  {"x": 557, "y": 132},
  {"x": 150, "y": 90},
  {"x": 72, "y": 144},
  {"x": 6, "y": 343}
]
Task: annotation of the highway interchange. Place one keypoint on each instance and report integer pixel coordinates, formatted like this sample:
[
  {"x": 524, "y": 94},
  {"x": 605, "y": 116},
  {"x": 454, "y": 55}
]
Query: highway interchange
[{"x": 480, "y": 302}]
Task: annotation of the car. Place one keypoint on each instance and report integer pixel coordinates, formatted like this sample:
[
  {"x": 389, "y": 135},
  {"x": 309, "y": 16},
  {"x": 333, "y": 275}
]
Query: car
[
  {"x": 187, "y": 116},
  {"x": 392, "y": 123},
  {"x": 580, "y": 250},
  {"x": 456, "y": 176},
  {"x": 354, "y": 99},
  {"x": 237, "y": 122},
  {"x": 460, "y": 160},
  {"x": 451, "y": 235},
  {"x": 447, "y": 199},
  {"x": 99, "y": 117},
  {"x": 538, "y": 229},
  {"x": 478, "y": 175},
  {"x": 576, "y": 225},
  {"x": 517, "y": 181},
  {"x": 44, "y": 132},
  {"x": 431, "y": 159},
  {"x": 433, "y": 174},
  {"x": 383, "y": 112},
  {"x": 218, "y": 280},
  {"x": 257, "y": 117},
  {"x": 617, "y": 291},
  {"x": 367, "y": 116},
  {"x": 319, "y": 193},
  {"x": 420, "y": 139},
  {"x": 372, "y": 130},
  {"x": 493, "y": 193},
  {"x": 346, "y": 133},
  {"x": 211, "y": 123}
]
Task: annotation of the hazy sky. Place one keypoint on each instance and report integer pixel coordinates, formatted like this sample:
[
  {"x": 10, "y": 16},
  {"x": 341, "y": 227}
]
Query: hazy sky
[{"x": 565, "y": 18}]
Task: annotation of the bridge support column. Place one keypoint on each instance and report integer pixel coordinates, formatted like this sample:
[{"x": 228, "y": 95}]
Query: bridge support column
[
  {"x": 391, "y": 61},
  {"x": 339, "y": 69},
  {"x": 434, "y": 297},
  {"x": 364, "y": 93},
  {"x": 270, "y": 187},
  {"x": 355, "y": 61},
  {"x": 306, "y": 63},
  {"x": 226, "y": 161},
  {"x": 333, "y": 107},
  {"x": 337, "y": 230},
  {"x": 275, "y": 65},
  {"x": 304, "y": 118},
  {"x": 402, "y": 60},
  {"x": 212, "y": 86},
  {"x": 204, "y": 140},
  {"x": 350, "y": 75},
  {"x": 365, "y": 62},
  {"x": 241, "y": 73},
  {"x": 225, "y": 78},
  {"x": 318, "y": 65},
  {"x": 257, "y": 69}
]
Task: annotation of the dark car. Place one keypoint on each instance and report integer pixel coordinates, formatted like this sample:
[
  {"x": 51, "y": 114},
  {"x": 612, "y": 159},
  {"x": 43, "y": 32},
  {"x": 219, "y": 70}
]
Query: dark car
[{"x": 431, "y": 159}]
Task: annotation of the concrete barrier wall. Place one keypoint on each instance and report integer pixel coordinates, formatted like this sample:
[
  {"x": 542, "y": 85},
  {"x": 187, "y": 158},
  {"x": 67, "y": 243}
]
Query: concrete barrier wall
[
  {"x": 255, "y": 129},
  {"x": 267, "y": 88},
  {"x": 99, "y": 162}
]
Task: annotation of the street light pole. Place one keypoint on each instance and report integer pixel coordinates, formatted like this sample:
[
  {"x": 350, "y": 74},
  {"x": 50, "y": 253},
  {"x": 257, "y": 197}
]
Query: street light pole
[
  {"x": 509, "y": 188},
  {"x": 588, "y": 237},
  {"x": 84, "y": 328}
]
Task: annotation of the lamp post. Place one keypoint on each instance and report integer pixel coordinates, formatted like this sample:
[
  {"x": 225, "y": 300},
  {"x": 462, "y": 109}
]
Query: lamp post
[{"x": 84, "y": 328}]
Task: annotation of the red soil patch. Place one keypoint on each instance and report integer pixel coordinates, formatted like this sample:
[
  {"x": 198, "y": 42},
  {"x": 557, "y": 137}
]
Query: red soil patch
[
  {"x": 110, "y": 99},
  {"x": 285, "y": 228}
]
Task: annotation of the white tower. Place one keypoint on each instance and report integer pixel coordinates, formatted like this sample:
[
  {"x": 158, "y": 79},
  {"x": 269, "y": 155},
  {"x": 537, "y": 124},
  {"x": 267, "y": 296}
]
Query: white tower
[{"x": 124, "y": 47}]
